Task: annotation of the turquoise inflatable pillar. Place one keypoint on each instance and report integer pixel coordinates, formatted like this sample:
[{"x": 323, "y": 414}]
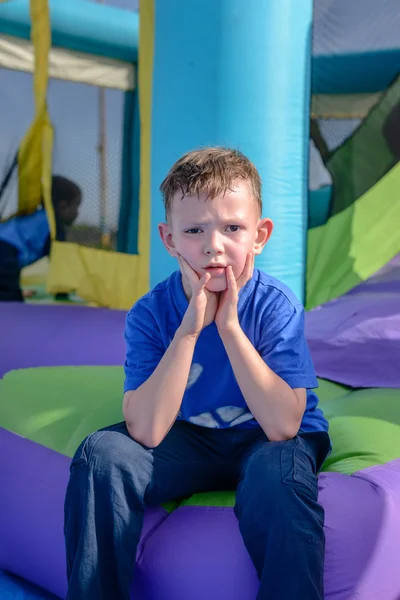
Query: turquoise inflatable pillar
[{"x": 237, "y": 73}]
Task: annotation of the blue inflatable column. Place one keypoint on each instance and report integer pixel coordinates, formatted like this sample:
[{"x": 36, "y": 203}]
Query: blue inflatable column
[{"x": 237, "y": 73}]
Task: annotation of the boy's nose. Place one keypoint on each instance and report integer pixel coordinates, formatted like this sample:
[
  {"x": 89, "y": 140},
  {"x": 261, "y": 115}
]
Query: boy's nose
[{"x": 213, "y": 245}]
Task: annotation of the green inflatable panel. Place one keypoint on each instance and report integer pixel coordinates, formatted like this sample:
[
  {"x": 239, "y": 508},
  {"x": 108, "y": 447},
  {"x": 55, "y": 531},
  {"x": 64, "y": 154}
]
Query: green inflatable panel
[
  {"x": 328, "y": 390},
  {"x": 366, "y": 180},
  {"x": 340, "y": 255},
  {"x": 364, "y": 428},
  {"x": 59, "y": 406}
]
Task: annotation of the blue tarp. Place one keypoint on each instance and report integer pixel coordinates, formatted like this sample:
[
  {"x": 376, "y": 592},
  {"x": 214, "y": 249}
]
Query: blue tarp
[
  {"x": 113, "y": 32},
  {"x": 13, "y": 588},
  {"x": 83, "y": 26}
]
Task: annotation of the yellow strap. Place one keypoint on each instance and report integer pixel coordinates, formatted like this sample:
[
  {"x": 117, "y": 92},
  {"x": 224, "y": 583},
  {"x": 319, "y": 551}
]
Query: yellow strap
[
  {"x": 35, "y": 153},
  {"x": 146, "y": 57}
]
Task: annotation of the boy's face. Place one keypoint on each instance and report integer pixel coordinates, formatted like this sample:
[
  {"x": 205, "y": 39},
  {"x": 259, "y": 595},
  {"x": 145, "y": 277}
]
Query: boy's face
[
  {"x": 212, "y": 234},
  {"x": 68, "y": 211}
]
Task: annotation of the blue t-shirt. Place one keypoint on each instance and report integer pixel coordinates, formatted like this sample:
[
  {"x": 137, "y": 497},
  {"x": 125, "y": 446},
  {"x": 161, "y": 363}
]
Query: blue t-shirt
[
  {"x": 29, "y": 234},
  {"x": 270, "y": 316}
]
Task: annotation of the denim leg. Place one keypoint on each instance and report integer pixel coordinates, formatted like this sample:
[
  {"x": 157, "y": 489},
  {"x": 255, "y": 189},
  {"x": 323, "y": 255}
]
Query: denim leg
[
  {"x": 104, "y": 508},
  {"x": 112, "y": 479},
  {"x": 279, "y": 516},
  {"x": 10, "y": 272}
]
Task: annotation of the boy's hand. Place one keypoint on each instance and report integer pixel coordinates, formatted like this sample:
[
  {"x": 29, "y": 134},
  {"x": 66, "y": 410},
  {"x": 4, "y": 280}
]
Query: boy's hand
[
  {"x": 202, "y": 303},
  {"x": 227, "y": 314}
]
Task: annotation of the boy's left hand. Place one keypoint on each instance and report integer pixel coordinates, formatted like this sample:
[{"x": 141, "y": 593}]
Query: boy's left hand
[{"x": 226, "y": 317}]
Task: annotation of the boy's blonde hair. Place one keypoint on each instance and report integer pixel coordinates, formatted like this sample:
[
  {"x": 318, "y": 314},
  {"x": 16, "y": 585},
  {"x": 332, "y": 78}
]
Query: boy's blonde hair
[{"x": 212, "y": 171}]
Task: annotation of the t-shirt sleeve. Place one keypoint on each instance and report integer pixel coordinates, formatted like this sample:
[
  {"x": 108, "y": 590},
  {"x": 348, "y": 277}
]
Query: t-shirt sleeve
[
  {"x": 144, "y": 346},
  {"x": 283, "y": 346}
]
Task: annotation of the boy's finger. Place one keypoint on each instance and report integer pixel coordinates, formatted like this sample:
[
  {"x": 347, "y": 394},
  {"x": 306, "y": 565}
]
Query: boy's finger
[
  {"x": 230, "y": 278},
  {"x": 205, "y": 279},
  {"x": 247, "y": 271},
  {"x": 188, "y": 271},
  {"x": 201, "y": 283},
  {"x": 185, "y": 275},
  {"x": 183, "y": 269},
  {"x": 250, "y": 266}
]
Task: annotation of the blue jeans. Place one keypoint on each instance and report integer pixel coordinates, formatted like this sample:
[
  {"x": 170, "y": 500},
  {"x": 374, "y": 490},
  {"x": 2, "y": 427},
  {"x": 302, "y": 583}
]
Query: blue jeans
[
  {"x": 113, "y": 478},
  {"x": 10, "y": 272}
]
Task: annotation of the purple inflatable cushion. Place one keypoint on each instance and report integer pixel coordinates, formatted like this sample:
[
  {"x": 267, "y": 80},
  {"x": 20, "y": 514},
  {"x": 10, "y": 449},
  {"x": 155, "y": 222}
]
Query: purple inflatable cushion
[
  {"x": 197, "y": 552},
  {"x": 355, "y": 340},
  {"x": 40, "y": 336}
]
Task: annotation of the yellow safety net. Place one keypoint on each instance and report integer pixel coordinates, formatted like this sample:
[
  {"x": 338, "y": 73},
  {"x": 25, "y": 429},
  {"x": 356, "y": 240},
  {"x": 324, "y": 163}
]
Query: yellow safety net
[{"x": 101, "y": 277}]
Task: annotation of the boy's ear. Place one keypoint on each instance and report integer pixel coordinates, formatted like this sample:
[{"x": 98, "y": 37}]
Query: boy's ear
[
  {"x": 264, "y": 232},
  {"x": 166, "y": 235}
]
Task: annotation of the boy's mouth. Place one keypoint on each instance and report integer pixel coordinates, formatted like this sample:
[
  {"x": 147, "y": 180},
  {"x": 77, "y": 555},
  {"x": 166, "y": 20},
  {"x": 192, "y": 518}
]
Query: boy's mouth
[{"x": 215, "y": 270}]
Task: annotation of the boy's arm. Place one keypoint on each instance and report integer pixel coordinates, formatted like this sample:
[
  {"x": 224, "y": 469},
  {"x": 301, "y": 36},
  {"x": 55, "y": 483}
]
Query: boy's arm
[
  {"x": 274, "y": 404},
  {"x": 151, "y": 410},
  {"x": 277, "y": 407}
]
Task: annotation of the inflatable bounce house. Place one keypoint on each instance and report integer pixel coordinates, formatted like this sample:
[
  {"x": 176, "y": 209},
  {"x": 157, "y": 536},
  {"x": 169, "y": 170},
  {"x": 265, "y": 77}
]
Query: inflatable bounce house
[{"x": 310, "y": 91}]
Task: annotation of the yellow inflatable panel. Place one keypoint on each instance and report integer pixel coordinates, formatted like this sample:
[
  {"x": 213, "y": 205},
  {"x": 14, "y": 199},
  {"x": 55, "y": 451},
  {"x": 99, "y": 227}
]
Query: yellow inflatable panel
[{"x": 110, "y": 279}]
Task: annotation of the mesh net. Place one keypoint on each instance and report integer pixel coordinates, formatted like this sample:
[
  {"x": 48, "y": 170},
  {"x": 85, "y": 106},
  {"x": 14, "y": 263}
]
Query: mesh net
[
  {"x": 77, "y": 155},
  {"x": 16, "y": 114},
  {"x": 77, "y": 116},
  {"x": 357, "y": 26},
  {"x": 332, "y": 133},
  {"x": 336, "y": 131},
  {"x": 350, "y": 156}
]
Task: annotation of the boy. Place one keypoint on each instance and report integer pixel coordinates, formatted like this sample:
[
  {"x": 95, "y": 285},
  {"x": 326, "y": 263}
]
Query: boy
[
  {"x": 26, "y": 239},
  {"x": 216, "y": 391}
]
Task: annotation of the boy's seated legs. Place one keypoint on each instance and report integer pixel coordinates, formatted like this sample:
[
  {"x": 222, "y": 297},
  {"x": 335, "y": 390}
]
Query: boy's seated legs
[
  {"x": 10, "y": 270},
  {"x": 113, "y": 479},
  {"x": 279, "y": 516}
]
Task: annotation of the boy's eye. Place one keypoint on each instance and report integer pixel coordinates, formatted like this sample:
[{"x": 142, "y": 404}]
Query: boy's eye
[
  {"x": 233, "y": 228},
  {"x": 193, "y": 230}
]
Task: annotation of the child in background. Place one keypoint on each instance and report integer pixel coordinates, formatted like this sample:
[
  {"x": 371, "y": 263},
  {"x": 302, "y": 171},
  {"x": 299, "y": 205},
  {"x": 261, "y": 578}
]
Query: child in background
[{"x": 26, "y": 239}]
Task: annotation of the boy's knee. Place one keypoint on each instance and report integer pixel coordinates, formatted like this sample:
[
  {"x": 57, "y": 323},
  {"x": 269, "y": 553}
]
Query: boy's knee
[
  {"x": 266, "y": 462},
  {"x": 279, "y": 468},
  {"x": 108, "y": 447}
]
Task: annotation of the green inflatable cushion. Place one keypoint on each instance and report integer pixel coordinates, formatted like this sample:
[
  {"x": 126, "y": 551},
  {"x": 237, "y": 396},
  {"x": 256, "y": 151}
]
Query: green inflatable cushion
[
  {"x": 364, "y": 428},
  {"x": 59, "y": 406}
]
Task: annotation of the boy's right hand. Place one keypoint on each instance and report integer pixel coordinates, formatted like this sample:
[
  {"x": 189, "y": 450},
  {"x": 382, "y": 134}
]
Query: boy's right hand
[{"x": 203, "y": 304}]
